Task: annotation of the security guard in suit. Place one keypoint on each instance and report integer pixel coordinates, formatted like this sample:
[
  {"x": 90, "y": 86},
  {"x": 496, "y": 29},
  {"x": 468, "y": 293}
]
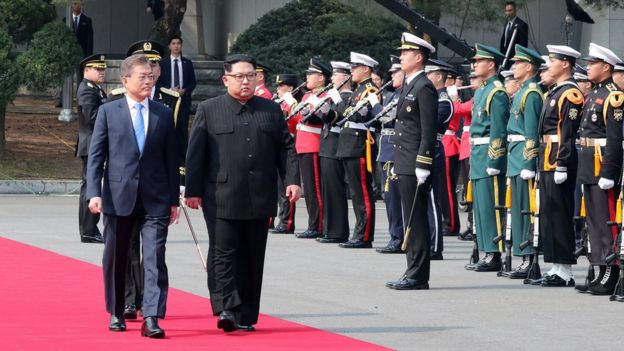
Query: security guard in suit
[
  {"x": 355, "y": 148},
  {"x": 389, "y": 180},
  {"x": 488, "y": 156},
  {"x": 600, "y": 163},
  {"x": 523, "y": 148},
  {"x": 558, "y": 162},
  {"x": 333, "y": 186},
  {"x": 416, "y": 122},
  {"x": 89, "y": 97}
]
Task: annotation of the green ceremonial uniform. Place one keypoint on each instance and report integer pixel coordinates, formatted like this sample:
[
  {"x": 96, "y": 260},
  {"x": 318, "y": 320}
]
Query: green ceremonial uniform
[
  {"x": 488, "y": 134},
  {"x": 522, "y": 134}
]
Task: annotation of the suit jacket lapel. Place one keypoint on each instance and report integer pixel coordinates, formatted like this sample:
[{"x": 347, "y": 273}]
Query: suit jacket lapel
[
  {"x": 152, "y": 124},
  {"x": 407, "y": 90}
]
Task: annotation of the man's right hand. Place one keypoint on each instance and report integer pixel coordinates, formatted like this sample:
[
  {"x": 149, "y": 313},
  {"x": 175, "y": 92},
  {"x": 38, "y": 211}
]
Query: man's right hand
[
  {"x": 193, "y": 202},
  {"x": 95, "y": 205}
]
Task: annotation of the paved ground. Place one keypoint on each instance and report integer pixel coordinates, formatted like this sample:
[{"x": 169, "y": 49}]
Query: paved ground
[{"x": 343, "y": 290}]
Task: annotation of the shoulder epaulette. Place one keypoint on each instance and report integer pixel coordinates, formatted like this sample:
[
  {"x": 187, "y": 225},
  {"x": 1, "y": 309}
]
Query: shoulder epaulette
[
  {"x": 611, "y": 87},
  {"x": 118, "y": 91},
  {"x": 170, "y": 92},
  {"x": 532, "y": 89},
  {"x": 533, "y": 85},
  {"x": 91, "y": 85},
  {"x": 497, "y": 83},
  {"x": 497, "y": 88}
]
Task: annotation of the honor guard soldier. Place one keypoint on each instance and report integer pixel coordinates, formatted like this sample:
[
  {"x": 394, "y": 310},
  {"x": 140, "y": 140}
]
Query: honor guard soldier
[
  {"x": 451, "y": 145},
  {"x": 333, "y": 186},
  {"x": 523, "y": 146},
  {"x": 261, "y": 74},
  {"x": 488, "y": 156},
  {"x": 89, "y": 97},
  {"x": 307, "y": 145},
  {"x": 600, "y": 163},
  {"x": 511, "y": 83},
  {"x": 355, "y": 150},
  {"x": 580, "y": 76},
  {"x": 439, "y": 206},
  {"x": 557, "y": 165},
  {"x": 389, "y": 180},
  {"x": 618, "y": 75},
  {"x": 286, "y": 209},
  {"x": 417, "y": 112}
]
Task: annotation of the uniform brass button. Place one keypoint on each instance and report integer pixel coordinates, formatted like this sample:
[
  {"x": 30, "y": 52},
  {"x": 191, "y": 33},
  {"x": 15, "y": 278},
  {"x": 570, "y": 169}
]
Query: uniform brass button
[
  {"x": 248, "y": 139},
  {"x": 250, "y": 155}
]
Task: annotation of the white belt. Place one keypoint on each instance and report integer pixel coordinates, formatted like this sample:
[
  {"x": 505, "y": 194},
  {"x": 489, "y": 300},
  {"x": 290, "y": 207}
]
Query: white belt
[
  {"x": 388, "y": 131},
  {"x": 512, "y": 138},
  {"x": 554, "y": 138},
  {"x": 480, "y": 141},
  {"x": 466, "y": 128},
  {"x": 335, "y": 130},
  {"x": 449, "y": 132},
  {"x": 360, "y": 126},
  {"x": 304, "y": 128}
]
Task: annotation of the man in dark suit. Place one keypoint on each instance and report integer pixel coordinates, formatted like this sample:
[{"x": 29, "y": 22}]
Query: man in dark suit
[
  {"x": 415, "y": 126},
  {"x": 135, "y": 138},
  {"x": 178, "y": 74},
  {"x": 82, "y": 28},
  {"x": 156, "y": 7},
  {"x": 89, "y": 97},
  {"x": 239, "y": 145},
  {"x": 522, "y": 33}
]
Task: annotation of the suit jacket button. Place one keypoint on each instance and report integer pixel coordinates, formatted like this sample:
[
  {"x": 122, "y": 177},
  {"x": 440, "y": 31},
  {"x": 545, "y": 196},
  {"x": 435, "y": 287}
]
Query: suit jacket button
[
  {"x": 248, "y": 139},
  {"x": 251, "y": 172},
  {"x": 250, "y": 155}
]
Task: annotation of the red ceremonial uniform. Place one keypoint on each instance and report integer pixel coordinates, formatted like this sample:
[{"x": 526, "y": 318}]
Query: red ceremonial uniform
[
  {"x": 263, "y": 91},
  {"x": 308, "y": 134},
  {"x": 449, "y": 140},
  {"x": 464, "y": 110},
  {"x": 292, "y": 123}
]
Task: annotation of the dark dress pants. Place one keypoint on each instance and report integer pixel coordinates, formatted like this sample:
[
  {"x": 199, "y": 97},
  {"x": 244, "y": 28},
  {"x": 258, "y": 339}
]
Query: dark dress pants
[
  {"x": 335, "y": 208},
  {"x": 87, "y": 222},
  {"x": 418, "y": 243}
]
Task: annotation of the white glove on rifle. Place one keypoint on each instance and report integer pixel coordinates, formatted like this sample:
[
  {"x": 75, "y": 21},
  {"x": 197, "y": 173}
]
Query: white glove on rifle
[
  {"x": 492, "y": 171},
  {"x": 373, "y": 99},
  {"x": 363, "y": 111},
  {"x": 289, "y": 99},
  {"x": 451, "y": 90},
  {"x": 182, "y": 189},
  {"x": 334, "y": 95},
  {"x": 422, "y": 174},
  {"x": 324, "y": 108},
  {"x": 605, "y": 184},
  {"x": 313, "y": 100},
  {"x": 526, "y": 174},
  {"x": 560, "y": 177}
]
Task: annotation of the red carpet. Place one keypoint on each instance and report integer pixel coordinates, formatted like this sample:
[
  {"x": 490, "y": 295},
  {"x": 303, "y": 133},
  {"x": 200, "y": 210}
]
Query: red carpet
[{"x": 53, "y": 302}]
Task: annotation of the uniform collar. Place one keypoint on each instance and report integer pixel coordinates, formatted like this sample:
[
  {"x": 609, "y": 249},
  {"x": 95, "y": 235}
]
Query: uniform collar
[
  {"x": 604, "y": 82},
  {"x": 490, "y": 80},
  {"x": 529, "y": 81},
  {"x": 239, "y": 108}
]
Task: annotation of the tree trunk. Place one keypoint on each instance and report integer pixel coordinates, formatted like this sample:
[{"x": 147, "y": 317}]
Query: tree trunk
[
  {"x": 169, "y": 24},
  {"x": 3, "y": 106}
]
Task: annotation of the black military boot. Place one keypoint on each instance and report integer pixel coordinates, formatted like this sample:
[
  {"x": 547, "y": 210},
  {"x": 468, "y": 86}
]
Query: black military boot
[
  {"x": 492, "y": 263},
  {"x": 606, "y": 286},
  {"x": 522, "y": 270},
  {"x": 584, "y": 288}
]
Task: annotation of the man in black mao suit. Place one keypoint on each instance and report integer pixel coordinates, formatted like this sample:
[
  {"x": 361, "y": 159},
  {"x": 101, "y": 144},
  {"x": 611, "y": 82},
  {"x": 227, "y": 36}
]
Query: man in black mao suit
[
  {"x": 239, "y": 144},
  {"x": 89, "y": 97},
  {"x": 135, "y": 138},
  {"x": 512, "y": 22},
  {"x": 178, "y": 74},
  {"x": 415, "y": 128}
]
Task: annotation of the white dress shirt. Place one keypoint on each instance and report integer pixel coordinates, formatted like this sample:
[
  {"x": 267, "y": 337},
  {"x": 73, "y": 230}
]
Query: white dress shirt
[
  {"x": 409, "y": 78},
  {"x": 179, "y": 58},
  {"x": 144, "y": 111}
]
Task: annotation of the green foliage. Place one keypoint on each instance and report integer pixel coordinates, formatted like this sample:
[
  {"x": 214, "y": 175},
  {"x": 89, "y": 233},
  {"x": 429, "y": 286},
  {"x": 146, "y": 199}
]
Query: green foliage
[
  {"x": 22, "y": 18},
  {"x": 53, "y": 54},
  {"x": 286, "y": 38},
  {"x": 9, "y": 78},
  {"x": 614, "y": 4}
]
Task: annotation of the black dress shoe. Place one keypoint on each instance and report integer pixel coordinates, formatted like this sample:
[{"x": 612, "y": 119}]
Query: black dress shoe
[
  {"x": 607, "y": 284},
  {"x": 130, "y": 311},
  {"x": 408, "y": 284},
  {"x": 436, "y": 257},
  {"x": 151, "y": 329},
  {"x": 117, "y": 324},
  {"x": 359, "y": 244},
  {"x": 282, "y": 230},
  {"x": 246, "y": 328},
  {"x": 97, "y": 239},
  {"x": 309, "y": 234},
  {"x": 389, "y": 249},
  {"x": 522, "y": 271},
  {"x": 471, "y": 266},
  {"x": 227, "y": 322},
  {"x": 491, "y": 263},
  {"x": 556, "y": 281},
  {"x": 326, "y": 240}
]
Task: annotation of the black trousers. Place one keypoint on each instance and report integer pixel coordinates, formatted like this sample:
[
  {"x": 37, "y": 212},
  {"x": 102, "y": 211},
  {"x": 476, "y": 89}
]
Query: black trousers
[
  {"x": 310, "y": 167},
  {"x": 334, "y": 191},
  {"x": 134, "y": 269},
  {"x": 87, "y": 222},
  {"x": 448, "y": 197},
  {"x": 418, "y": 243},
  {"x": 361, "y": 188},
  {"x": 435, "y": 196},
  {"x": 286, "y": 208},
  {"x": 392, "y": 199},
  {"x": 117, "y": 233},
  {"x": 235, "y": 266},
  {"x": 600, "y": 207},
  {"x": 556, "y": 223}
]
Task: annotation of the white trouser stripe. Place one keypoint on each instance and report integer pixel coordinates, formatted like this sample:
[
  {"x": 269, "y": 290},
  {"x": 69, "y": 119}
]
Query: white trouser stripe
[{"x": 435, "y": 220}]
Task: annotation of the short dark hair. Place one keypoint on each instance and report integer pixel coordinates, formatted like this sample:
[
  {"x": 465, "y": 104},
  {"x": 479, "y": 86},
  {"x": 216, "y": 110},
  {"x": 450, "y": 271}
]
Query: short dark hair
[
  {"x": 512, "y": 3},
  {"x": 174, "y": 37},
  {"x": 236, "y": 58}
]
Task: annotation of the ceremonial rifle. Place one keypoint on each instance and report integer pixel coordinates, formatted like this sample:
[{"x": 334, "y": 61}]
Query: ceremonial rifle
[
  {"x": 360, "y": 105},
  {"x": 303, "y": 104},
  {"x": 534, "y": 273},
  {"x": 293, "y": 92},
  {"x": 325, "y": 99},
  {"x": 585, "y": 249},
  {"x": 506, "y": 267}
]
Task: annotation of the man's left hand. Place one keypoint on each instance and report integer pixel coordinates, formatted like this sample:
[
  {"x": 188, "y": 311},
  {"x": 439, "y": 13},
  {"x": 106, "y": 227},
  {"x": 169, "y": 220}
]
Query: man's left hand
[
  {"x": 293, "y": 193},
  {"x": 174, "y": 214}
]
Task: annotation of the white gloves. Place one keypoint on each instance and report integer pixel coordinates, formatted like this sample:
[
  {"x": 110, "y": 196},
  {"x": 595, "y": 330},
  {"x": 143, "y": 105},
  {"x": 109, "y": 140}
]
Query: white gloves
[
  {"x": 324, "y": 108},
  {"x": 373, "y": 99},
  {"x": 451, "y": 90},
  {"x": 334, "y": 95},
  {"x": 363, "y": 111},
  {"x": 526, "y": 174},
  {"x": 289, "y": 99},
  {"x": 182, "y": 189},
  {"x": 422, "y": 174},
  {"x": 560, "y": 177},
  {"x": 492, "y": 171},
  {"x": 313, "y": 100},
  {"x": 605, "y": 184}
]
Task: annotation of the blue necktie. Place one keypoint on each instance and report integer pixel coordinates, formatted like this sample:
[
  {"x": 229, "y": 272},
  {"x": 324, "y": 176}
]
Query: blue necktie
[
  {"x": 176, "y": 74},
  {"x": 139, "y": 128}
]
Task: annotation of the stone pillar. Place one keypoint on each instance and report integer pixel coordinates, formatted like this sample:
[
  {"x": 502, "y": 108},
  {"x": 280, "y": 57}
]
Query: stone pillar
[{"x": 192, "y": 28}]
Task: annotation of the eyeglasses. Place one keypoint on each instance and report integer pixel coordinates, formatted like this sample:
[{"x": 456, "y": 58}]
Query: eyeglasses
[{"x": 239, "y": 77}]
